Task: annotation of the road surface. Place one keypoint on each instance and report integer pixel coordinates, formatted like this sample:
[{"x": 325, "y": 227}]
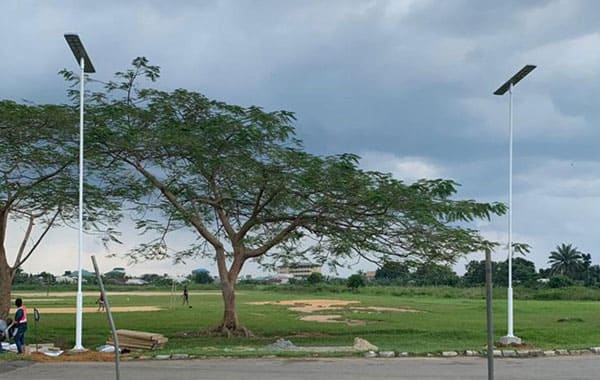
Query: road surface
[{"x": 580, "y": 367}]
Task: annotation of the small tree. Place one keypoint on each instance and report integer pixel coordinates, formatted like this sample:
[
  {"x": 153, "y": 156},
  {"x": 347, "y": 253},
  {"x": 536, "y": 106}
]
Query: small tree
[
  {"x": 314, "y": 278},
  {"x": 393, "y": 272},
  {"x": 432, "y": 274},
  {"x": 115, "y": 277},
  {"x": 523, "y": 272},
  {"x": 202, "y": 278},
  {"x": 356, "y": 281},
  {"x": 475, "y": 273}
]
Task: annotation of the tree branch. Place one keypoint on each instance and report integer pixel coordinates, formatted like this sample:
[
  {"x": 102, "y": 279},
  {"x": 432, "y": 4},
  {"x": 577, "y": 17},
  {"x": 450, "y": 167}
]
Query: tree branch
[
  {"x": 19, "y": 262},
  {"x": 193, "y": 219}
]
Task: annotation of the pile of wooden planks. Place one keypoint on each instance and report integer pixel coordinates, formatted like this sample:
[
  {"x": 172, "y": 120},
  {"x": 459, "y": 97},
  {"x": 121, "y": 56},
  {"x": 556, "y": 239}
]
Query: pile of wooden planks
[{"x": 138, "y": 340}]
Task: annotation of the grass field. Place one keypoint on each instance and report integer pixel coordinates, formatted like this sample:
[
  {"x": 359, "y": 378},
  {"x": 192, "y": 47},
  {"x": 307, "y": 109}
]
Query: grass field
[{"x": 440, "y": 323}]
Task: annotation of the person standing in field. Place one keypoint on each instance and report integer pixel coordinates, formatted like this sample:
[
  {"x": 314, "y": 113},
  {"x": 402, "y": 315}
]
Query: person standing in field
[
  {"x": 100, "y": 303},
  {"x": 186, "y": 296},
  {"x": 21, "y": 323}
]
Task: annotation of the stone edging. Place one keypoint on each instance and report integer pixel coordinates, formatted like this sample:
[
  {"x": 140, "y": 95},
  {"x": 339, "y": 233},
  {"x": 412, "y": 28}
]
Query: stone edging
[
  {"x": 497, "y": 353},
  {"x": 444, "y": 354}
]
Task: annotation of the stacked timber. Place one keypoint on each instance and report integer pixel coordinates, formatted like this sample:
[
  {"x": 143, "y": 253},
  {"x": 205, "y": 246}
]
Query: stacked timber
[{"x": 138, "y": 340}]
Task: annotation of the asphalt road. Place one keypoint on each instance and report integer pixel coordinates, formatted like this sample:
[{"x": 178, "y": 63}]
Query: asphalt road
[{"x": 581, "y": 368}]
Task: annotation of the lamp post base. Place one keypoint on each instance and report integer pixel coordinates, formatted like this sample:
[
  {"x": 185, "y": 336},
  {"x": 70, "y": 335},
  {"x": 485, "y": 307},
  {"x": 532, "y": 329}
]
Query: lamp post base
[
  {"x": 509, "y": 339},
  {"x": 78, "y": 350}
]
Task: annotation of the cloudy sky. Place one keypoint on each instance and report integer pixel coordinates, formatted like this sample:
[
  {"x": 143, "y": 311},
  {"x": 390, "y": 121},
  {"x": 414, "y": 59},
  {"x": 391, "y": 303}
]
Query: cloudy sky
[{"x": 406, "y": 84}]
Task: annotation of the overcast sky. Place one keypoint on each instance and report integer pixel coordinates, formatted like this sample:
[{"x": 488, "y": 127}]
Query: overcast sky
[{"x": 406, "y": 84}]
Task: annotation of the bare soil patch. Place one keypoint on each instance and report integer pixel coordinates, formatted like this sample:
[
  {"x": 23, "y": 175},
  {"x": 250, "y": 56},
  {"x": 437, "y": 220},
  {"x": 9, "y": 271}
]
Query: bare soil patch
[
  {"x": 332, "y": 318},
  {"x": 87, "y": 356},
  {"x": 378, "y": 308},
  {"x": 308, "y": 305},
  {"x": 48, "y": 299},
  {"x": 317, "y": 305}
]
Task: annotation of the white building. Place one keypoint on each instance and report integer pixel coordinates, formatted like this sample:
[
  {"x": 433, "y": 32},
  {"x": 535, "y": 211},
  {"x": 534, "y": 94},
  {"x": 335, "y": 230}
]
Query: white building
[
  {"x": 135, "y": 281},
  {"x": 65, "y": 280},
  {"x": 299, "y": 270}
]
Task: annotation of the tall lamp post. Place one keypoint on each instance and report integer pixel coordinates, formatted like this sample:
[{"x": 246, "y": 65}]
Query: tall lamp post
[
  {"x": 508, "y": 86},
  {"x": 85, "y": 64}
]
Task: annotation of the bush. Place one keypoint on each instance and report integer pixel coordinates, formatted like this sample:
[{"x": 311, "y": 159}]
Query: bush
[
  {"x": 314, "y": 278},
  {"x": 356, "y": 281},
  {"x": 560, "y": 282},
  {"x": 202, "y": 278}
]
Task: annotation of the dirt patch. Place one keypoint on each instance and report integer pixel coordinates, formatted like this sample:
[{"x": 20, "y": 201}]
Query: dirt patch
[
  {"x": 315, "y": 305},
  {"x": 377, "y": 308},
  {"x": 116, "y": 309},
  {"x": 309, "y": 306},
  {"x": 332, "y": 318},
  {"x": 49, "y": 299},
  {"x": 87, "y": 356}
]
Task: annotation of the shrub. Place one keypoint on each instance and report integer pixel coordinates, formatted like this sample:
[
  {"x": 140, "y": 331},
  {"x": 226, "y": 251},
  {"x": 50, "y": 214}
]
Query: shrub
[
  {"x": 356, "y": 281},
  {"x": 314, "y": 278},
  {"x": 560, "y": 282}
]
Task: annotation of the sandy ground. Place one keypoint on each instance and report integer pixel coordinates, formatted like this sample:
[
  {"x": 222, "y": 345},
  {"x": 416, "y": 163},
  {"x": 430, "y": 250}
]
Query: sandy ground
[
  {"x": 316, "y": 305},
  {"x": 87, "y": 356},
  {"x": 308, "y": 305},
  {"x": 94, "y": 309},
  {"x": 48, "y": 299},
  {"x": 378, "y": 308},
  {"x": 332, "y": 318}
]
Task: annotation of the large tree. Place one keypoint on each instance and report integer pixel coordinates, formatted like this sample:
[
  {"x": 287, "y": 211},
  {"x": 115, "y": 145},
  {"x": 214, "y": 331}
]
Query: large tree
[
  {"x": 35, "y": 156},
  {"x": 240, "y": 179},
  {"x": 38, "y": 183}
]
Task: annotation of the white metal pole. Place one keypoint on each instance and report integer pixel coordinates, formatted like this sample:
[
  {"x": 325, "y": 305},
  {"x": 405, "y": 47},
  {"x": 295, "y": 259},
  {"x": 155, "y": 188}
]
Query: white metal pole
[
  {"x": 79, "y": 316},
  {"x": 510, "y": 210}
]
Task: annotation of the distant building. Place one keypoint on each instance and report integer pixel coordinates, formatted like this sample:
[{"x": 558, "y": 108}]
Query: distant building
[
  {"x": 135, "y": 281},
  {"x": 66, "y": 280},
  {"x": 299, "y": 270},
  {"x": 280, "y": 278}
]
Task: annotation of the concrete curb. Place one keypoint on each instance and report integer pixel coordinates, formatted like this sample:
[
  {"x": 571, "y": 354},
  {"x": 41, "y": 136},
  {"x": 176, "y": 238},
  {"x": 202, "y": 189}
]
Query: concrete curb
[{"x": 403, "y": 354}]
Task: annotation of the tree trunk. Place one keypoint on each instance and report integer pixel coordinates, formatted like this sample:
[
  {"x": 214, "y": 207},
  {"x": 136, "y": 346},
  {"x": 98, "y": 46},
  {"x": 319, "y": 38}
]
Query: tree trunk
[
  {"x": 6, "y": 278},
  {"x": 230, "y": 325},
  {"x": 230, "y": 319},
  {"x": 6, "y": 272}
]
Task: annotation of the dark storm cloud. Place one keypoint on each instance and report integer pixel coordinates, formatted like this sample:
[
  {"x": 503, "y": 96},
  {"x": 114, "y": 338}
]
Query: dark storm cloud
[{"x": 408, "y": 84}]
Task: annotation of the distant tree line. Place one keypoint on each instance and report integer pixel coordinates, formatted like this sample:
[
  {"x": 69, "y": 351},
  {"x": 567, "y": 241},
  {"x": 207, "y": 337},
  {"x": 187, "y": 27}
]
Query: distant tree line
[
  {"x": 110, "y": 278},
  {"x": 568, "y": 266}
]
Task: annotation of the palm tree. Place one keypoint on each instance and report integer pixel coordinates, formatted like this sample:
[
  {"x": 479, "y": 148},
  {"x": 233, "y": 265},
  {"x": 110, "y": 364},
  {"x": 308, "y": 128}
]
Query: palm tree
[{"x": 566, "y": 260}]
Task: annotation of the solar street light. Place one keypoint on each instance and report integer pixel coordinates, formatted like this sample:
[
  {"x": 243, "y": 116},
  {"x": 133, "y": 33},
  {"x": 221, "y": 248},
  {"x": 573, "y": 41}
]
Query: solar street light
[
  {"x": 86, "y": 66},
  {"x": 508, "y": 86}
]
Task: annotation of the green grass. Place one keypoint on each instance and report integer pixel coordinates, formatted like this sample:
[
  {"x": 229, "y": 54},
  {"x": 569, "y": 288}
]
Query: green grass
[{"x": 448, "y": 320}]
